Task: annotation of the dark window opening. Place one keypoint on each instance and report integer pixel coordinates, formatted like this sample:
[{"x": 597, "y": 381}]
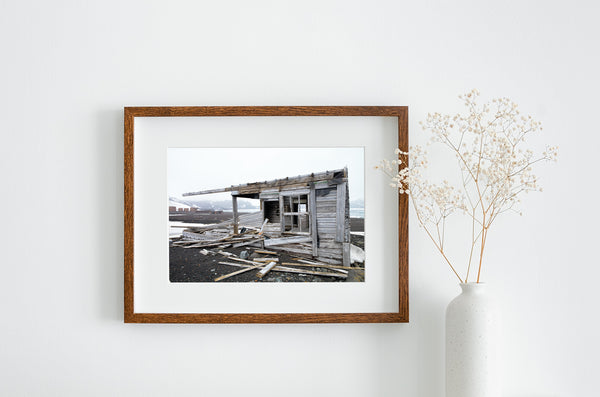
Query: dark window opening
[{"x": 271, "y": 211}]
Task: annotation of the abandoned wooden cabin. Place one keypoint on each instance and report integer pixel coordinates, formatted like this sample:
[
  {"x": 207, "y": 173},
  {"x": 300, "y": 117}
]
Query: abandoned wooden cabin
[{"x": 307, "y": 215}]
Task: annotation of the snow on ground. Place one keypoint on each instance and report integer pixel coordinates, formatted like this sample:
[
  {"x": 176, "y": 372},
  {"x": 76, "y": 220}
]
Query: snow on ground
[
  {"x": 357, "y": 254},
  {"x": 176, "y": 228}
]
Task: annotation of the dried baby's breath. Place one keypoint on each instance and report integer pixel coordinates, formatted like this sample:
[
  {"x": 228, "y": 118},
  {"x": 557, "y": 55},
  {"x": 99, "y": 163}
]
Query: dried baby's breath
[{"x": 495, "y": 170}]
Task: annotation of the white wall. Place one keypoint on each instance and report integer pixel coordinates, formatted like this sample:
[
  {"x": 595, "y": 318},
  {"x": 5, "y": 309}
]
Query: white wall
[{"x": 67, "y": 69}]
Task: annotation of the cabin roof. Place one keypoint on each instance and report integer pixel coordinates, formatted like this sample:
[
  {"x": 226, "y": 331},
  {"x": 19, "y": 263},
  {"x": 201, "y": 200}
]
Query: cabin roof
[{"x": 295, "y": 181}]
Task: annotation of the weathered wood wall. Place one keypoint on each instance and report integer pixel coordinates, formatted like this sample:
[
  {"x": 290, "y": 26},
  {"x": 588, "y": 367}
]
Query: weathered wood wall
[
  {"x": 333, "y": 223},
  {"x": 330, "y": 212}
]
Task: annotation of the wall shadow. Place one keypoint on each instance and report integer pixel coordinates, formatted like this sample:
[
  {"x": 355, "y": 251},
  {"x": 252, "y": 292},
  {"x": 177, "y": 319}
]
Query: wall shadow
[{"x": 108, "y": 214}]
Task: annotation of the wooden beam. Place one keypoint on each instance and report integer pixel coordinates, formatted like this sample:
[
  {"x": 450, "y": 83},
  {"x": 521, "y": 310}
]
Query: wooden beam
[
  {"x": 262, "y": 260},
  {"x": 289, "y": 270},
  {"x": 265, "y": 252},
  {"x": 325, "y": 266},
  {"x": 243, "y": 244},
  {"x": 298, "y": 210},
  {"x": 287, "y": 240},
  {"x": 346, "y": 260},
  {"x": 235, "y": 214},
  {"x": 256, "y": 187},
  {"x": 281, "y": 216},
  {"x": 236, "y": 272},
  {"x": 263, "y": 225},
  {"x": 294, "y": 192},
  {"x": 312, "y": 210},
  {"x": 340, "y": 213},
  {"x": 225, "y": 189},
  {"x": 302, "y": 271},
  {"x": 266, "y": 269}
]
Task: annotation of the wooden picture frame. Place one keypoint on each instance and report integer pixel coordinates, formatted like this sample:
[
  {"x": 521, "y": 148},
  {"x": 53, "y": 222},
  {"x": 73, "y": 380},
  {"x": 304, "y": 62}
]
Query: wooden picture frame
[{"x": 399, "y": 113}]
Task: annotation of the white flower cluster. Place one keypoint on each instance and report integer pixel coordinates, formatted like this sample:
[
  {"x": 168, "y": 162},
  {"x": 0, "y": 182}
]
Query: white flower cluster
[
  {"x": 433, "y": 202},
  {"x": 487, "y": 143}
]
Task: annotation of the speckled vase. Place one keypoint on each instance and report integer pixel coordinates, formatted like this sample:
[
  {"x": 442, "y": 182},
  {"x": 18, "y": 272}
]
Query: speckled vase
[{"x": 471, "y": 344}]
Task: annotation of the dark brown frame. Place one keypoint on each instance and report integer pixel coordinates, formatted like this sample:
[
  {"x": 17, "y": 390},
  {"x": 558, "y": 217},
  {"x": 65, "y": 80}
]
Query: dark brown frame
[{"x": 401, "y": 112}]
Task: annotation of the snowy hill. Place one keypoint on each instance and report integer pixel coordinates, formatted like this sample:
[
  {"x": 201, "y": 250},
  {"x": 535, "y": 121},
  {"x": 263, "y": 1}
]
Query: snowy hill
[{"x": 173, "y": 202}]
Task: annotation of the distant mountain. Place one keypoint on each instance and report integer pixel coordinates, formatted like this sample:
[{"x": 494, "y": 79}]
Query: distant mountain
[
  {"x": 225, "y": 205},
  {"x": 176, "y": 202},
  {"x": 357, "y": 203}
]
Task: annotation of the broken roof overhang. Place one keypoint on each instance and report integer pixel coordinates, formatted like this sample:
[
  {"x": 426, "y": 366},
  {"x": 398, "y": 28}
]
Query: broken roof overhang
[{"x": 251, "y": 189}]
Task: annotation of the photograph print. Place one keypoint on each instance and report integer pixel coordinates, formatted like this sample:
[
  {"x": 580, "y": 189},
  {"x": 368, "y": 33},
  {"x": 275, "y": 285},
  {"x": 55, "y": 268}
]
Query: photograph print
[{"x": 266, "y": 214}]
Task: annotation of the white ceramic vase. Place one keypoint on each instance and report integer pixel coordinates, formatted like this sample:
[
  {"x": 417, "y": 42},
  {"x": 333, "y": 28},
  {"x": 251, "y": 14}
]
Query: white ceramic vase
[{"x": 472, "y": 344}]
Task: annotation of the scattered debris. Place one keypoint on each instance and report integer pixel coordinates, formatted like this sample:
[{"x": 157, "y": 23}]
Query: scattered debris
[
  {"x": 285, "y": 269},
  {"x": 303, "y": 248}
]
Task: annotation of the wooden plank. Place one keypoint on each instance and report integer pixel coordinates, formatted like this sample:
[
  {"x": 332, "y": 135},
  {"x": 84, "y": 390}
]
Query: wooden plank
[
  {"x": 262, "y": 227},
  {"x": 297, "y": 248},
  {"x": 327, "y": 216},
  {"x": 340, "y": 270},
  {"x": 324, "y": 209},
  {"x": 326, "y": 236},
  {"x": 326, "y": 198},
  {"x": 236, "y": 272},
  {"x": 326, "y": 258},
  {"x": 333, "y": 251},
  {"x": 340, "y": 212},
  {"x": 265, "y": 252},
  {"x": 233, "y": 258},
  {"x": 266, "y": 269},
  {"x": 287, "y": 270},
  {"x": 286, "y": 240},
  {"x": 203, "y": 245},
  {"x": 326, "y": 212},
  {"x": 268, "y": 195},
  {"x": 328, "y": 255},
  {"x": 323, "y": 265},
  {"x": 294, "y": 192},
  {"x": 308, "y": 262},
  {"x": 302, "y": 271},
  {"x": 225, "y": 189},
  {"x": 329, "y": 244},
  {"x": 328, "y": 226},
  {"x": 262, "y": 260},
  {"x": 243, "y": 244}
]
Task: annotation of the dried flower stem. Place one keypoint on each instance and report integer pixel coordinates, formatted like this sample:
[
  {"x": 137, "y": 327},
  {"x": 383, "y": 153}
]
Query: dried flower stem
[{"x": 439, "y": 247}]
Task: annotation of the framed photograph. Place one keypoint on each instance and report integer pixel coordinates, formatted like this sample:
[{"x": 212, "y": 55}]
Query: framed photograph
[{"x": 264, "y": 215}]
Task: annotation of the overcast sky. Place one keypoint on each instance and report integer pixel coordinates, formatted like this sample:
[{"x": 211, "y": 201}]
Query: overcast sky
[{"x": 195, "y": 169}]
